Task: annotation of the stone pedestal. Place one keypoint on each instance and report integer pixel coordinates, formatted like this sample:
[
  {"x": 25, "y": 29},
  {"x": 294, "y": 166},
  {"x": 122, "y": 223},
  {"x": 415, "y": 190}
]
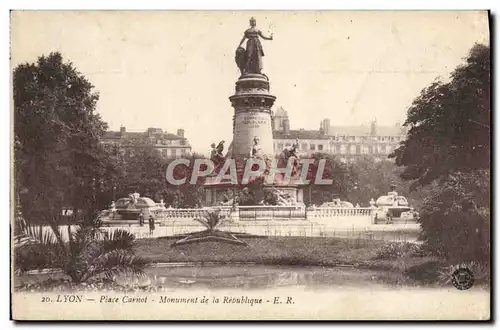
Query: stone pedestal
[
  {"x": 252, "y": 104},
  {"x": 217, "y": 194}
]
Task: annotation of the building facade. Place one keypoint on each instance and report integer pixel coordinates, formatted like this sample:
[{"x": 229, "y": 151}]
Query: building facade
[
  {"x": 347, "y": 142},
  {"x": 168, "y": 144}
]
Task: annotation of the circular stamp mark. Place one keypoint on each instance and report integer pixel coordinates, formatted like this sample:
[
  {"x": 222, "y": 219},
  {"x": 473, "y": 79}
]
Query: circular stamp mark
[{"x": 463, "y": 279}]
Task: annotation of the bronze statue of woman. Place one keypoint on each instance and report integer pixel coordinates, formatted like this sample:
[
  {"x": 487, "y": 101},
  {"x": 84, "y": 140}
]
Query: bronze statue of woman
[{"x": 250, "y": 59}]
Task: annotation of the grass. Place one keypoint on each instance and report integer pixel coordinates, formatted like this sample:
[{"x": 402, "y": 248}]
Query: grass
[{"x": 264, "y": 250}]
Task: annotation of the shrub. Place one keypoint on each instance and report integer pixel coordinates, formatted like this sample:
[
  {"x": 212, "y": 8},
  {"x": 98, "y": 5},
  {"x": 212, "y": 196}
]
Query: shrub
[
  {"x": 455, "y": 218},
  {"x": 89, "y": 253},
  {"x": 396, "y": 250}
]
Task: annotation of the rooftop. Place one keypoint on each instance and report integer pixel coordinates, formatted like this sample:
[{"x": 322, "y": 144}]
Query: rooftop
[
  {"x": 361, "y": 130},
  {"x": 338, "y": 131},
  {"x": 300, "y": 134},
  {"x": 139, "y": 135},
  {"x": 150, "y": 132}
]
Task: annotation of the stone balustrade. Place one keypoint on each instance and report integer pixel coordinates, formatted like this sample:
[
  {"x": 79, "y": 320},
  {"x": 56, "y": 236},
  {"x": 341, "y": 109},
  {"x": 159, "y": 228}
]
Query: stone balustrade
[
  {"x": 261, "y": 213},
  {"x": 271, "y": 212},
  {"x": 322, "y": 212},
  {"x": 171, "y": 214}
]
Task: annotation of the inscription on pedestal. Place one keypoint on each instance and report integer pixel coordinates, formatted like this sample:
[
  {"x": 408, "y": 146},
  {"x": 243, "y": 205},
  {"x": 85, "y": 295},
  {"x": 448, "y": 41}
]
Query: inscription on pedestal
[
  {"x": 255, "y": 120},
  {"x": 249, "y": 125}
]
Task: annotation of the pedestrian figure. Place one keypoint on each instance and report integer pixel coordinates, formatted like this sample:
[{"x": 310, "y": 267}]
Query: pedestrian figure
[
  {"x": 151, "y": 225},
  {"x": 141, "y": 219},
  {"x": 389, "y": 217}
]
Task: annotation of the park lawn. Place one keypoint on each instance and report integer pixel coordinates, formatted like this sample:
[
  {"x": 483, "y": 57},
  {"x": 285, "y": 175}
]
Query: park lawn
[{"x": 264, "y": 250}]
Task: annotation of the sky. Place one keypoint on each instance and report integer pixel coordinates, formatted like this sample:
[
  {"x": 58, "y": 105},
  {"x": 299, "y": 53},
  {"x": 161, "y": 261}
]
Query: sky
[{"x": 176, "y": 69}]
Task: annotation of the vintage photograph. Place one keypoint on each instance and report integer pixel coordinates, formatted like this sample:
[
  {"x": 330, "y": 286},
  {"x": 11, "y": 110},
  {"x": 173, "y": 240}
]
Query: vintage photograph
[{"x": 250, "y": 165}]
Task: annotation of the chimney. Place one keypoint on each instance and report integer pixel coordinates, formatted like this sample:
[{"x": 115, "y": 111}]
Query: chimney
[
  {"x": 180, "y": 132},
  {"x": 286, "y": 126},
  {"x": 373, "y": 128},
  {"x": 122, "y": 130},
  {"x": 326, "y": 126}
]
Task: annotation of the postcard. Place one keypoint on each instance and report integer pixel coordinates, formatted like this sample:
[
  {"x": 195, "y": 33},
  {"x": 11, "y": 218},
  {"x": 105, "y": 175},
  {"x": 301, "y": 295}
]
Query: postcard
[{"x": 250, "y": 165}]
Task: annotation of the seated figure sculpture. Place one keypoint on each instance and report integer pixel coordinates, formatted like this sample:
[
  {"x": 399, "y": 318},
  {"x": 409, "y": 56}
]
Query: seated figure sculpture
[
  {"x": 291, "y": 153},
  {"x": 257, "y": 153},
  {"x": 216, "y": 155}
]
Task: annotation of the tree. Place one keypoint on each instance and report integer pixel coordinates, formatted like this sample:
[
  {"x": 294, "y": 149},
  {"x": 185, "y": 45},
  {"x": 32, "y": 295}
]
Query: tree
[
  {"x": 448, "y": 149},
  {"x": 343, "y": 180},
  {"x": 59, "y": 163},
  {"x": 449, "y": 124},
  {"x": 143, "y": 170},
  {"x": 374, "y": 178},
  {"x": 58, "y": 160},
  {"x": 188, "y": 195}
]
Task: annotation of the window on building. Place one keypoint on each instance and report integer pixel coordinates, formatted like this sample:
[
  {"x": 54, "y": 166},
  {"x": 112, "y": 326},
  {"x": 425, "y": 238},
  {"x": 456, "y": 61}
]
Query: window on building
[
  {"x": 312, "y": 146},
  {"x": 337, "y": 148},
  {"x": 358, "y": 149},
  {"x": 288, "y": 144},
  {"x": 320, "y": 147},
  {"x": 174, "y": 152},
  {"x": 303, "y": 146},
  {"x": 280, "y": 146},
  {"x": 383, "y": 149}
]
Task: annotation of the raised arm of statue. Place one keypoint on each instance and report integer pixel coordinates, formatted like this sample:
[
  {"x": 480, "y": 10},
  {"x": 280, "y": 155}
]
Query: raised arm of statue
[{"x": 264, "y": 37}]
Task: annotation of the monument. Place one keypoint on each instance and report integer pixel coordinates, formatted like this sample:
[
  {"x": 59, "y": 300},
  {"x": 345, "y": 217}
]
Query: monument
[{"x": 252, "y": 128}]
